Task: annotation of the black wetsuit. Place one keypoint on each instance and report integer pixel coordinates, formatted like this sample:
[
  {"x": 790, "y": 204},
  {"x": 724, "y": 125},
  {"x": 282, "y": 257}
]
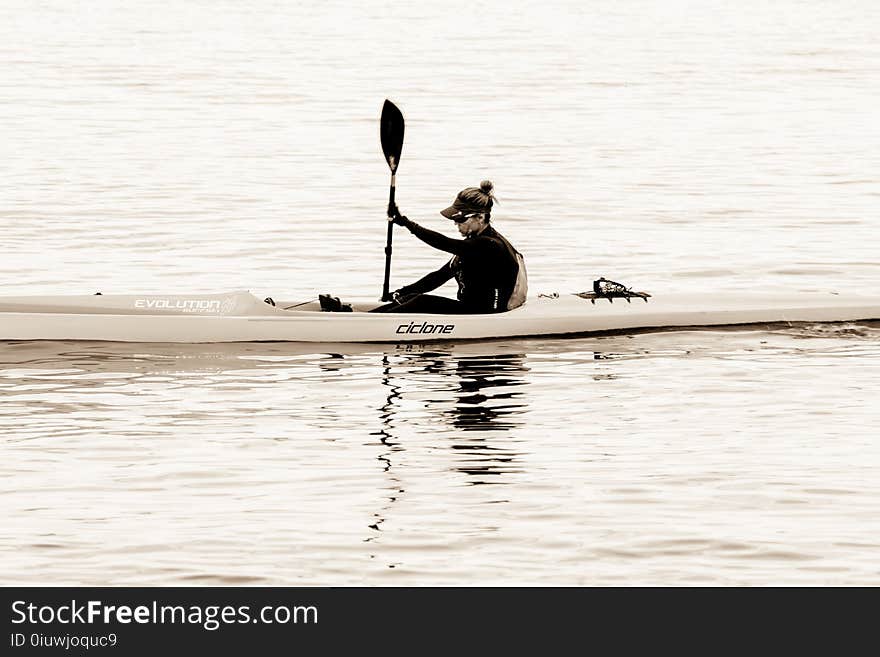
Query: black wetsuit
[{"x": 484, "y": 265}]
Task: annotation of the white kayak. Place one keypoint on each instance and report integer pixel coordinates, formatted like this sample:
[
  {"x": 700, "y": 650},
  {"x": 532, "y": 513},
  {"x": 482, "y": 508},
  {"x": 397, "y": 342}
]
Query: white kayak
[{"x": 242, "y": 317}]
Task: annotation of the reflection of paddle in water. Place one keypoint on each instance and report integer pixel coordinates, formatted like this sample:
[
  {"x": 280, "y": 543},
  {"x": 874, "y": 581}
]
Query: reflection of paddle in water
[
  {"x": 389, "y": 446},
  {"x": 472, "y": 396}
]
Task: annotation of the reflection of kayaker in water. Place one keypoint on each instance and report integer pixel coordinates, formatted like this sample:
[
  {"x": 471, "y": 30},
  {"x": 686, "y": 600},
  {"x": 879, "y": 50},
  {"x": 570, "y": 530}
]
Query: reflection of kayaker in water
[{"x": 491, "y": 274}]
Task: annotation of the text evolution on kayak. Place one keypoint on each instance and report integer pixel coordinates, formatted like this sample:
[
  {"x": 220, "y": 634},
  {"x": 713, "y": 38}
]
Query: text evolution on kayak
[{"x": 184, "y": 305}]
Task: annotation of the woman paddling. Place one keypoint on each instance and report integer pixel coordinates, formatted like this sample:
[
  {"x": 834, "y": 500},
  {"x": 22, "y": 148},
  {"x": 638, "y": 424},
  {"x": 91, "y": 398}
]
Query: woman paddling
[{"x": 491, "y": 274}]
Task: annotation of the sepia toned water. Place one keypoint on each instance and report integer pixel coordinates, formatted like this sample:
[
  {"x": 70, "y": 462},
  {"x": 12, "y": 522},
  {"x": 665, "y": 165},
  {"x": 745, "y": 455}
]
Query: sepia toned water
[{"x": 210, "y": 146}]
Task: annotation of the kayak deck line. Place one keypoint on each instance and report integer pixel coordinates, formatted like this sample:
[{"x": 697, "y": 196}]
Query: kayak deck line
[{"x": 242, "y": 317}]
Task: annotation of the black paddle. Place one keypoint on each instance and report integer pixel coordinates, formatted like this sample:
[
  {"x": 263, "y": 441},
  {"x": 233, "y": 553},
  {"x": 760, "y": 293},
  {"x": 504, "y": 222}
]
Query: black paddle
[{"x": 391, "y": 132}]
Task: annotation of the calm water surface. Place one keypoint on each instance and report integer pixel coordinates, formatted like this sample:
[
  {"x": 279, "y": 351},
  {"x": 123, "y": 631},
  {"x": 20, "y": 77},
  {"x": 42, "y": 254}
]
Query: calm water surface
[{"x": 154, "y": 147}]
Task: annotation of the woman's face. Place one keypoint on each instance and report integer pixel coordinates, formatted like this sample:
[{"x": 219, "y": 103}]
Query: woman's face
[{"x": 472, "y": 225}]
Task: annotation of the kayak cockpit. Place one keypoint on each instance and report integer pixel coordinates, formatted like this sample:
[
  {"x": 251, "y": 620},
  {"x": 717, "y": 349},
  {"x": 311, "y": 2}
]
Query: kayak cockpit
[{"x": 315, "y": 306}]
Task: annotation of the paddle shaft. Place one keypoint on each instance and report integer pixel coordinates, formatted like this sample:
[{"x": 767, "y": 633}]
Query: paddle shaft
[{"x": 386, "y": 294}]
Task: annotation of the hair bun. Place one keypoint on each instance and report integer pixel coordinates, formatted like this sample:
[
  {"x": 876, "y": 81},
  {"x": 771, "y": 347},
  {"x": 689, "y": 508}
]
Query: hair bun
[{"x": 486, "y": 186}]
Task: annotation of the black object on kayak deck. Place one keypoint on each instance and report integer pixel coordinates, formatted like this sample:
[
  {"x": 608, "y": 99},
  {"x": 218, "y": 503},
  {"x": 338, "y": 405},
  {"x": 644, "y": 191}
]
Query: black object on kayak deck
[
  {"x": 333, "y": 304},
  {"x": 607, "y": 289}
]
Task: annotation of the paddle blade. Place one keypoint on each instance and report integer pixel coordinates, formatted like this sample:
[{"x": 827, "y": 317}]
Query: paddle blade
[{"x": 391, "y": 132}]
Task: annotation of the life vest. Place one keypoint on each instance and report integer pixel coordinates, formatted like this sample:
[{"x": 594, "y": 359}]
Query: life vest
[{"x": 521, "y": 287}]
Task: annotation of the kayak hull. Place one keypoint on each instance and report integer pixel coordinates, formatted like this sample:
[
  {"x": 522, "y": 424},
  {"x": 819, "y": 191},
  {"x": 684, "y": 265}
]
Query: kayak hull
[{"x": 241, "y": 317}]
